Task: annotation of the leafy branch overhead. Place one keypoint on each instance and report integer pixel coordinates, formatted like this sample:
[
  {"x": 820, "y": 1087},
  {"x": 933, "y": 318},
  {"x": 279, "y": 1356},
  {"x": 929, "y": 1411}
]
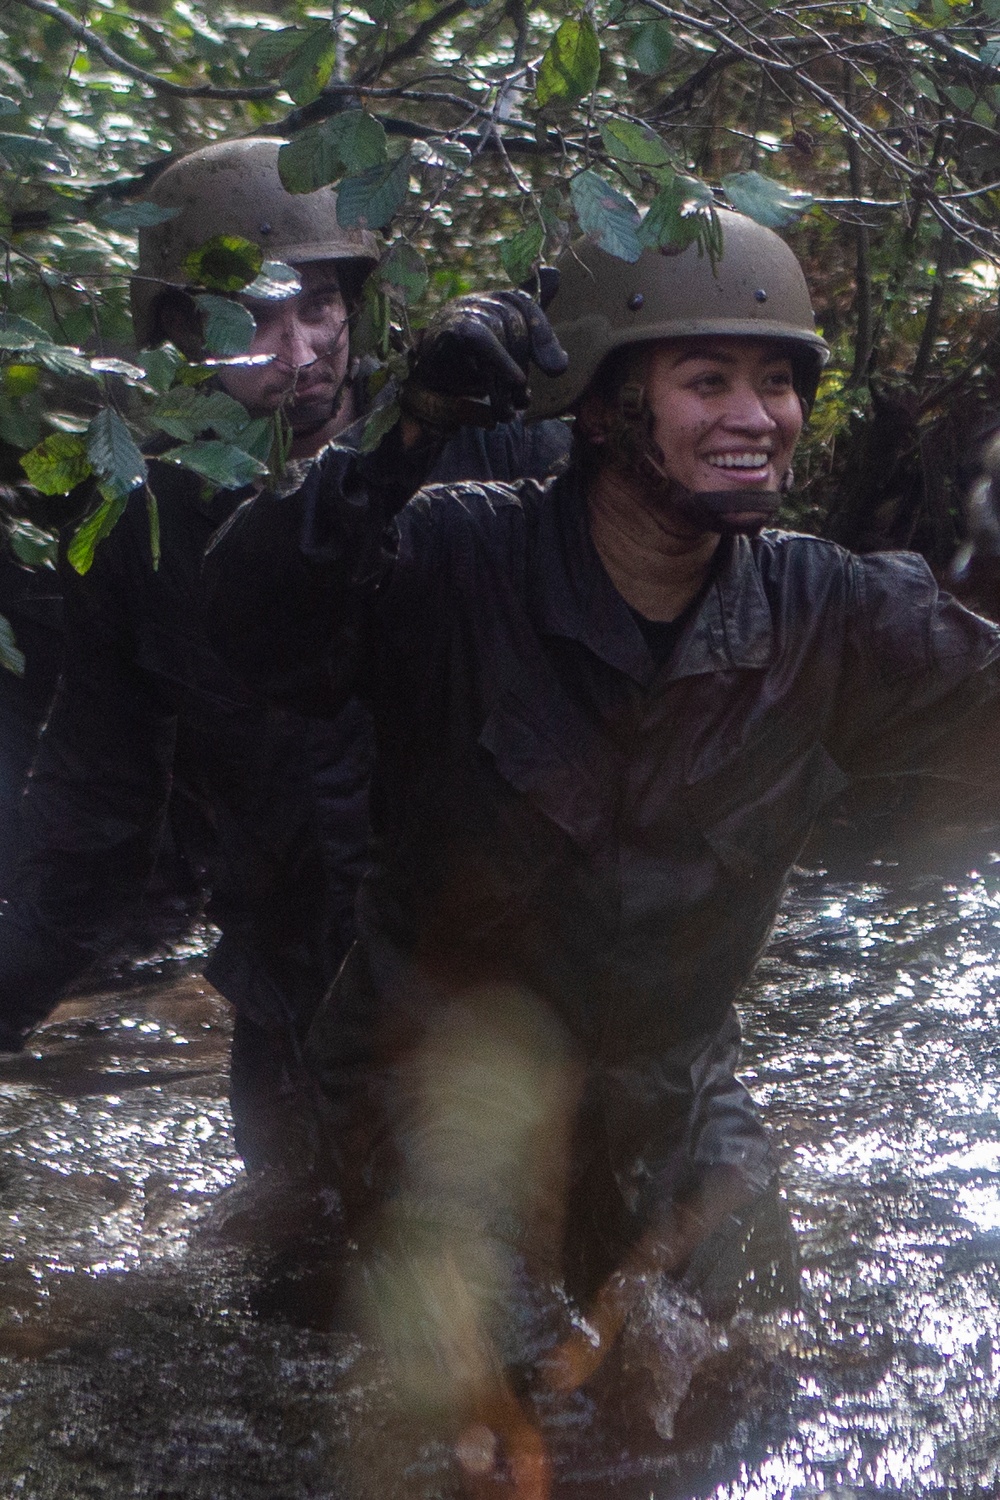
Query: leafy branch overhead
[{"x": 479, "y": 137}]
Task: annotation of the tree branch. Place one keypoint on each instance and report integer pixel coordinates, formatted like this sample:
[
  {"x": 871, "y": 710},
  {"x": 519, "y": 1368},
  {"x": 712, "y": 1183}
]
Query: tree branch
[
  {"x": 413, "y": 45},
  {"x": 94, "y": 43},
  {"x": 862, "y": 254}
]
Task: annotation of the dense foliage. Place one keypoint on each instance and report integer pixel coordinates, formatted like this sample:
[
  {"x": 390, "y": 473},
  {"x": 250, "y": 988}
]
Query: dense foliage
[{"x": 479, "y": 136}]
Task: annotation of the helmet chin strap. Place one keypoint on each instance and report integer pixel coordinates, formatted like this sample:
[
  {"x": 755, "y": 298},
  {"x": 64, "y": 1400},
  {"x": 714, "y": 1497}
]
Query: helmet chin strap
[{"x": 731, "y": 512}]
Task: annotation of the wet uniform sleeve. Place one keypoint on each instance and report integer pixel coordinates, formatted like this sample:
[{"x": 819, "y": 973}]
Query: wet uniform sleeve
[
  {"x": 93, "y": 808},
  {"x": 287, "y": 577},
  {"x": 920, "y": 692}
]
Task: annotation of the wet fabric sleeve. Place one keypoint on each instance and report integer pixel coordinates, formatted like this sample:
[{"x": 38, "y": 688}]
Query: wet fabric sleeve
[
  {"x": 93, "y": 809},
  {"x": 919, "y": 696},
  {"x": 286, "y": 577}
]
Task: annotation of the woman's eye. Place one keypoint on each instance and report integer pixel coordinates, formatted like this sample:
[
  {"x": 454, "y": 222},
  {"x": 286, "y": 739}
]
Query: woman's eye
[{"x": 710, "y": 381}]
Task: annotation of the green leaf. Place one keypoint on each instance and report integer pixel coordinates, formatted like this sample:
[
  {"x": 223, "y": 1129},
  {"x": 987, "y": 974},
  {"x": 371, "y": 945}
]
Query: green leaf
[
  {"x": 771, "y": 203},
  {"x": 31, "y": 545},
  {"x": 256, "y": 438},
  {"x": 383, "y": 10},
  {"x": 80, "y": 552},
  {"x": 185, "y": 412},
  {"x": 274, "y": 283},
  {"x": 19, "y": 380},
  {"x": 519, "y": 255},
  {"x": 925, "y": 87},
  {"x": 606, "y": 215},
  {"x": 405, "y": 269},
  {"x": 133, "y": 216},
  {"x": 112, "y": 451},
  {"x": 20, "y": 420},
  {"x": 362, "y": 140},
  {"x": 349, "y": 142},
  {"x": 449, "y": 156},
  {"x": 571, "y": 63},
  {"x": 21, "y": 333},
  {"x": 228, "y": 326},
  {"x": 153, "y": 516},
  {"x": 382, "y": 419},
  {"x": 650, "y": 47},
  {"x": 31, "y": 151},
  {"x": 990, "y": 53},
  {"x": 64, "y": 359},
  {"x": 311, "y": 159},
  {"x": 371, "y": 330},
  {"x": 963, "y": 98},
  {"x": 8, "y": 106},
  {"x": 627, "y": 141},
  {"x": 225, "y": 263},
  {"x": 311, "y": 64},
  {"x": 161, "y": 366},
  {"x": 370, "y": 200},
  {"x": 11, "y": 656},
  {"x": 58, "y": 463},
  {"x": 102, "y": 364},
  {"x": 224, "y": 464},
  {"x": 672, "y": 218},
  {"x": 270, "y": 48}
]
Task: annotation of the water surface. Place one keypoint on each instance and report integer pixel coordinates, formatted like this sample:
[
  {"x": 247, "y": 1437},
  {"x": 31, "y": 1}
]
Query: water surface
[{"x": 141, "y": 1354}]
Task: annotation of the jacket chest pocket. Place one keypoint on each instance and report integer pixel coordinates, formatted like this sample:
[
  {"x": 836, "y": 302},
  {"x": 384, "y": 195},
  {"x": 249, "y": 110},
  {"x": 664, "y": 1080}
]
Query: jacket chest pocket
[
  {"x": 756, "y": 811},
  {"x": 555, "y": 758}
]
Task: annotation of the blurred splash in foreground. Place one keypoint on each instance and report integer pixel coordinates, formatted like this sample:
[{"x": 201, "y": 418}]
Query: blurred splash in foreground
[{"x": 162, "y": 1336}]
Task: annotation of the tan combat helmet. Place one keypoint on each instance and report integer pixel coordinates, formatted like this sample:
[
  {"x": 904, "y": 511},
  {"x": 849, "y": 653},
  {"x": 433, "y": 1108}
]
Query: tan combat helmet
[
  {"x": 756, "y": 288},
  {"x": 233, "y": 187}
]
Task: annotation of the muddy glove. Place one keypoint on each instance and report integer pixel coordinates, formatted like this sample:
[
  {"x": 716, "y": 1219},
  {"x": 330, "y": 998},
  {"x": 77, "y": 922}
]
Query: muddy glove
[{"x": 470, "y": 365}]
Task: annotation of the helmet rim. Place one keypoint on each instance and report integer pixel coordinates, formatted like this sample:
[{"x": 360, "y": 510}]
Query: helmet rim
[{"x": 756, "y": 290}]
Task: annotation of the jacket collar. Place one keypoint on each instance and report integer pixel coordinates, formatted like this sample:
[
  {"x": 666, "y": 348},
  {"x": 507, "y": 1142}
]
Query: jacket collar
[{"x": 574, "y": 597}]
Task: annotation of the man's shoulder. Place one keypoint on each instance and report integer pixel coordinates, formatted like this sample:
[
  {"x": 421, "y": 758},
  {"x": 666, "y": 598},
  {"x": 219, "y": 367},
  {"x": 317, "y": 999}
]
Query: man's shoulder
[{"x": 475, "y": 503}]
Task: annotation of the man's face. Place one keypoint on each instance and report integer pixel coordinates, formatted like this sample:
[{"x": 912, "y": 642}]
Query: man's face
[
  {"x": 307, "y": 337},
  {"x": 725, "y": 412}
]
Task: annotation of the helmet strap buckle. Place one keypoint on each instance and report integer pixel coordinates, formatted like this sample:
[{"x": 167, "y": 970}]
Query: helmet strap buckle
[{"x": 632, "y": 400}]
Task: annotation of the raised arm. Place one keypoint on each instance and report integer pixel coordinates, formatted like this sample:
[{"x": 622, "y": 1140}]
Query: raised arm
[{"x": 288, "y": 576}]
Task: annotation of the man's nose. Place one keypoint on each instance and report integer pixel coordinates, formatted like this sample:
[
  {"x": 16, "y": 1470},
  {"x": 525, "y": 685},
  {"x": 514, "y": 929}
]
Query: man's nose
[{"x": 295, "y": 349}]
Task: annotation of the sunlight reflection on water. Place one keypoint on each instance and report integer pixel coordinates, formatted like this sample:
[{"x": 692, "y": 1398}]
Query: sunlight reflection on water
[{"x": 133, "y": 1361}]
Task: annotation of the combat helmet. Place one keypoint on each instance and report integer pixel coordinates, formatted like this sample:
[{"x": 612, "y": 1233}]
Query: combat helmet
[
  {"x": 604, "y": 304},
  {"x": 233, "y": 187}
]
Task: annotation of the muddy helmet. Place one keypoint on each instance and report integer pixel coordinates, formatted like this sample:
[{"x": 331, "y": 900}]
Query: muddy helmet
[
  {"x": 233, "y": 187},
  {"x": 604, "y": 304}
]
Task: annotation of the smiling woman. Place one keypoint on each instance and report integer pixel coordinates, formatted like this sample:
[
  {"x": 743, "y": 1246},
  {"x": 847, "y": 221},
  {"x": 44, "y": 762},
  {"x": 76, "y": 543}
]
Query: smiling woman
[{"x": 723, "y": 419}]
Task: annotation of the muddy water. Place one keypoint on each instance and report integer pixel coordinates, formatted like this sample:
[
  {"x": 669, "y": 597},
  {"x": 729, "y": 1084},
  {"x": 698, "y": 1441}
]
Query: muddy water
[{"x": 142, "y": 1355}]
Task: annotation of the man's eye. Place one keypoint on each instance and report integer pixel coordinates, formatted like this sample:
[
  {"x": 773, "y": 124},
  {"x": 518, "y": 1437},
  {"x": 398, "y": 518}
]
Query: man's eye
[{"x": 322, "y": 303}]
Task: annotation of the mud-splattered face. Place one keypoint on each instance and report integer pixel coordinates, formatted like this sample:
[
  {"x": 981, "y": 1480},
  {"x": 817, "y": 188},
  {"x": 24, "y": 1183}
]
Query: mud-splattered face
[{"x": 307, "y": 339}]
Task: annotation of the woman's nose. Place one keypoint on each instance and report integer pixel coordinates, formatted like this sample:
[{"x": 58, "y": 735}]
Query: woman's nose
[{"x": 749, "y": 409}]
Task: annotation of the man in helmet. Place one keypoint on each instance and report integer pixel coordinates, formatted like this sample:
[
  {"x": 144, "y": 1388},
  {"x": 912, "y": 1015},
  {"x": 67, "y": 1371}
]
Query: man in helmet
[
  {"x": 276, "y": 801},
  {"x": 608, "y": 710}
]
